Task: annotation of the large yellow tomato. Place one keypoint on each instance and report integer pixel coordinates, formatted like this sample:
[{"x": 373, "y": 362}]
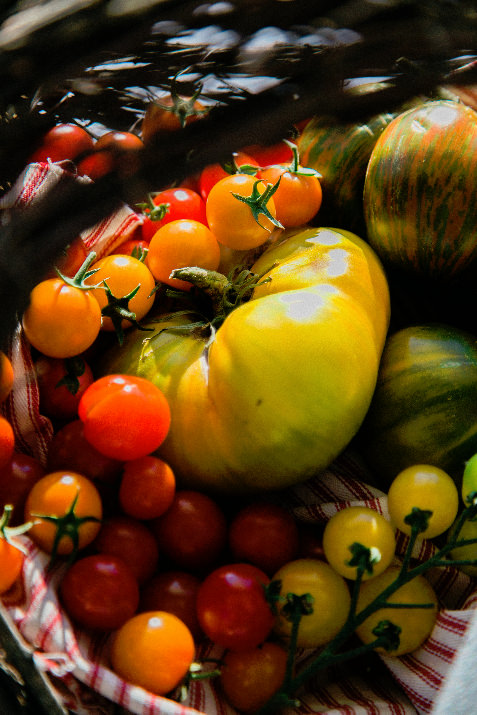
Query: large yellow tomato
[{"x": 284, "y": 383}]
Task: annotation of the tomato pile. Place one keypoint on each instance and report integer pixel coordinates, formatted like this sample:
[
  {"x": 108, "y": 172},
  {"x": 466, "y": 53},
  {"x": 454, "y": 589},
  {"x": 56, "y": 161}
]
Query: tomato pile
[{"x": 151, "y": 553}]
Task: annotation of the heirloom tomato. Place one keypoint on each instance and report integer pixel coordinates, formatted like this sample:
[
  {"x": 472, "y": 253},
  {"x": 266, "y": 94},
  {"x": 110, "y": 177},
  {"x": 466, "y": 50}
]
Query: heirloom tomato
[{"x": 278, "y": 390}]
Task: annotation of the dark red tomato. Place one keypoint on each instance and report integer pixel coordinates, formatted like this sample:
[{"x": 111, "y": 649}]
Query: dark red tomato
[
  {"x": 265, "y": 535},
  {"x": 211, "y": 174},
  {"x": 70, "y": 260},
  {"x": 69, "y": 449},
  {"x": 61, "y": 383},
  {"x": 174, "y": 592},
  {"x": 99, "y": 592},
  {"x": 64, "y": 141},
  {"x": 113, "y": 150},
  {"x": 232, "y": 608},
  {"x": 192, "y": 533},
  {"x": 17, "y": 477},
  {"x": 178, "y": 203},
  {"x": 279, "y": 153},
  {"x": 147, "y": 487},
  {"x": 132, "y": 541}
]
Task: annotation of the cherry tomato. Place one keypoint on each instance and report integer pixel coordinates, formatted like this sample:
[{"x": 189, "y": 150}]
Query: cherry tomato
[
  {"x": 70, "y": 260},
  {"x": 123, "y": 274},
  {"x": 132, "y": 541},
  {"x": 174, "y": 592},
  {"x": 56, "y": 495},
  {"x": 171, "y": 205},
  {"x": 469, "y": 481},
  {"x": 154, "y": 650},
  {"x": 113, "y": 150},
  {"x": 310, "y": 541},
  {"x": 212, "y": 173},
  {"x": 468, "y": 552},
  {"x": 358, "y": 525},
  {"x": 11, "y": 563},
  {"x": 231, "y": 220},
  {"x": 170, "y": 113},
  {"x": 330, "y": 601},
  {"x": 428, "y": 488},
  {"x": 136, "y": 247},
  {"x": 232, "y": 608},
  {"x": 99, "y": 592},
  {"x": 192, "y": 533},
  {"x": 124, "y": 417},
  {"x": 147, "y": 487},
  {"x": 249, "y": 678},
  {"x": 61, "y": 320},
  {"x": 64, "y": 141},
  {"x": 179, "y": 244},
  {"x": 69, "y": 449},
  {"x": 61, "y": 383},
  {"x": 298, "y": 196},
  {"x": 7, "y": 441},
  {"x": 6, "y": 376},
  {"x": 416, "y": 624},
  {"x": 265, "y": 535},
  {"x": 266, "y": 155},
  {"x": 17, "y": 477}
]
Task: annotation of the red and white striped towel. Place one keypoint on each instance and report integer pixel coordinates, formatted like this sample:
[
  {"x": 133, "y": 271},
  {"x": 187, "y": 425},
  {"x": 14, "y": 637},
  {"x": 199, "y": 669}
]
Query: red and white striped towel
[{"x": 78, "y": 663}]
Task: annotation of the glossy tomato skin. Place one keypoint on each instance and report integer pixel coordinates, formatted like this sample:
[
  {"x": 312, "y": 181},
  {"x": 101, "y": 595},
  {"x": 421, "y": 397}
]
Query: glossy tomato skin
[
  {"x": 7, "y": 441},
  {"x": 70, "y": 260},
  {"x": 61, "y": 384},
  {"x": 266, "y": 155},
  {"x": 11, "y": 563},
  {"x": 212, "y": 173},
  {"x": 132, "y": 541},
  {"x": 192, "y": 533},
  {"x": 17, "y": 477},
  {"x": 64, "y": 141},
  {"x": 327, "y": 300},
  {"x": 99, "y": 592},
  {"x": 6, "y": 376},
  {"x": 147, "y": 488},
  {"x": 232, "y": 607},
  {"x": 113, "y": 150},
  {"x": 178, "y": 203},
  {"x": 165, "y": 116},
  {"x": 297, "y": 198},
  {"x": 124, "y": 417},
  {"x": 174, "y": 592}
]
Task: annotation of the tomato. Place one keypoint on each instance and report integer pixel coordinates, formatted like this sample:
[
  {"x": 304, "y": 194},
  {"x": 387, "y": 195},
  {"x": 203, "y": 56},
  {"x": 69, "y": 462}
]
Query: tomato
[
  {"x": 136, "y": 247},
  {"x": 265, "y": 535},
  {"x": 192, "y": 533},
  {"x": 246, "y": 416},
  {"x": 232, "y": 221},
  {"x": 76, "y": 504},
  {"x": 416, "y": 624},
  {"x": 154, "y": 650},
  {"x": 6, "y": 376},
  {"x": 212, "y": 173},
  {"x": 99, "y": 592},
  {"x": 124, "y": 417},
  {"x": 17, "y": 477},
  {"x": 122, "y": 274},
  {"x": 468, "y": 552},
  {"x": 170, "y": 113},
  {"x": 310, "y": 541},
  {"x": 61, "y": 320},
  {"x": 232, "y": 608},
  {"x": 428, "y": 488},
  {"x": 249, "y": 678},
  {"x": 70, "y": 260},
  {"x": 174, "y": 592},
  {"x": 61, "y": 383},
  {"x": 69, "y": 449},
  {"x": 182, "y": 243},
  {"x": 7, "y": 441},
  {"x": 64, "y": 141},
  {"x": 113, "y": 150},
  {"x": 469, "y": 480},
  {"x": 266, "y": 155},
  {"x": 330, "y": 601},
  {"x": 171, "y": 205},
  {"x": 366, "y": 527},
  {"x": 147, "y": 487},
  {"x": 132, "y": 541}
]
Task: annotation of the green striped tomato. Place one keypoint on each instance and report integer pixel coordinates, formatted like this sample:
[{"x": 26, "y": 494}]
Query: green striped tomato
[{"x": 420, "y": 192}]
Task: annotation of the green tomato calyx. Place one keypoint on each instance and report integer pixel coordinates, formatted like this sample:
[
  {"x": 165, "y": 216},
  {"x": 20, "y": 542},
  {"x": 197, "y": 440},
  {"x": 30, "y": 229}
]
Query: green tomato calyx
[{"x": 257, "y": 202}]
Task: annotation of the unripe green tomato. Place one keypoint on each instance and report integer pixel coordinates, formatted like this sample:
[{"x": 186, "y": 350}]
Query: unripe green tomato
[
  {"x": 467, "y": 552},
  {"x": 469, "y": 480}
]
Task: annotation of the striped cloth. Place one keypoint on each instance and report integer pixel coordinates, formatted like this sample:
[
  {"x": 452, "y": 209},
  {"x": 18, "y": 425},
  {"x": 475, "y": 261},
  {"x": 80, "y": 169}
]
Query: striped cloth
[{"x": 77, "y": 663}]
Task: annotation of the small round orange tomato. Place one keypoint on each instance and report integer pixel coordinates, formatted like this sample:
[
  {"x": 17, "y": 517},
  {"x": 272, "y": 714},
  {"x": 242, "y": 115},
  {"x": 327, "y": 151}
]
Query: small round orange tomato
[
  {"x": 54, "y": 495},
  {"x": 70, "y": 259},
  {"x": 297, "y": 198},
  {"x": 154, "y": 650},
  {"x": 178, "y": 244},
  {"x": 123, "y": 274},
  {"x": 170, "y": 113},
  {"x": 147, "y": 487},
  {"x": 11, "y": 564},
  {"x": 231, "y": 220},
  {"x": 61, "y": 320},
  {"x": 7, "y": 441},
  {"x": 6, "y": 376},
  {"x": 249, "y": 678}
]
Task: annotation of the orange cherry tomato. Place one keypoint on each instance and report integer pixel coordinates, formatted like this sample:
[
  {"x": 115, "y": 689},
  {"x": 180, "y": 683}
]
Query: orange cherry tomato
[
  {"x": 212, "y": 173},
  {"x": 11, "y": 564},
  {"x": 298, "y": 196},
  {"x": 6, "y": 376},
  {"x": 7, "y": 441}
]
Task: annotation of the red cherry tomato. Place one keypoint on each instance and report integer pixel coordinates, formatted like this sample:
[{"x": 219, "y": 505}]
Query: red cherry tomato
[
  {"x": 113, "y": 150},
  {"x": 147, "y": 487},
  {"x": 211, "y": 174},
  {"x": 171, "y": 205},
  {"x": 232, "y": 608},
  {"x": 7, "y": 441},
  {"x": 265, "y": 535},
  {"x": 270, "y": 154},
  {"x": 193, "y": 531},
  {"x": 124, "y": 417},
  {"x": 61, "y": 384},
  {"x": 174, "y": 592},
  {"x": 132, "y": 541},
  {"x": 70, "y": 260},
  {"x": 17, "y": 477},
  {"x": 64, "y": 141}
]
